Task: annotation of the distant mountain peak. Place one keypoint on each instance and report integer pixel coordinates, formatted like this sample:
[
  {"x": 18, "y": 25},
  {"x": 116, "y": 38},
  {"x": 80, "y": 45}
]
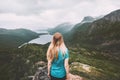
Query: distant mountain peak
[
  {"x": 62, "y": 28},
  {"x": 87, "y": 19},
  {"x": 91, "y": 19}
]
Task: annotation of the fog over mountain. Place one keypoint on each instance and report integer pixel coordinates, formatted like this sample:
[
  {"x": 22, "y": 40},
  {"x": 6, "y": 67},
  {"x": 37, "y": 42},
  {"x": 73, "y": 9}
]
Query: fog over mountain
[{"x": 42, "y": 14}]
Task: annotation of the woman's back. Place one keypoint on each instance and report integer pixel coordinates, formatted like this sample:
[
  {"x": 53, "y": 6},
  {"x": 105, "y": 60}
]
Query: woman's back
[
  {"x": 57, "y": 56},
  {"x": 57, "y": 67}
]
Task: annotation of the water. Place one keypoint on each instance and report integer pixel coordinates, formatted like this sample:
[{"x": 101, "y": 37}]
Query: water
[{"x": 43, "y": 39}]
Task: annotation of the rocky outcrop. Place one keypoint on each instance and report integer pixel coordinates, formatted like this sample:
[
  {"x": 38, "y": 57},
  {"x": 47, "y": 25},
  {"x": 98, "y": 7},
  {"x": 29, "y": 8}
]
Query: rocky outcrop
[{"x": 41, "y": 74}]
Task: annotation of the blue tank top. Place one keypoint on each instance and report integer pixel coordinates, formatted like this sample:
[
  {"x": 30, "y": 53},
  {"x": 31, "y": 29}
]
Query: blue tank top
[{"x": 57, "y": 68}]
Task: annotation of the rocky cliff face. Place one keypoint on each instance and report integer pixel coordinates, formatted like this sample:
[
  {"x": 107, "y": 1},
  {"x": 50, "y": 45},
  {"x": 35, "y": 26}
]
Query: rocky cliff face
[{"x": 113, "y": 16}]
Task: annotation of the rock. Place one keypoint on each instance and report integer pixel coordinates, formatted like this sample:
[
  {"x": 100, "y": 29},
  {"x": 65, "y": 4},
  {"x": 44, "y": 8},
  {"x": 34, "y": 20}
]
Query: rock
[
  {"x": 30, "y": 77},
  {"x": 75, "y": 77},
  {"x": 41, "y": 74},
  {"x": 41, "y": 63},
  {"x": 81, "y": 67}
]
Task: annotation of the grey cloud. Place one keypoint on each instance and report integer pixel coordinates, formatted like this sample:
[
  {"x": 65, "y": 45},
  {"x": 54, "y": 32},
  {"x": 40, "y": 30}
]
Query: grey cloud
[
  {"x": 49, "y": 13},
  {"x": 26, "y": 7},
  {"x": 20, "y": 7}
]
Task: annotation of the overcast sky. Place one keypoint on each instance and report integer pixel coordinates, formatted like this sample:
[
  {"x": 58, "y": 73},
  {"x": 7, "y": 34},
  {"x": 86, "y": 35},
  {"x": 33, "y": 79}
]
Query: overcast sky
[{"x": 38, "y": 14}]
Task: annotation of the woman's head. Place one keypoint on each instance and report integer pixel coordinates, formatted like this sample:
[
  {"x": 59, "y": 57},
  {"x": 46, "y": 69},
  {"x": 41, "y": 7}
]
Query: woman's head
[
  {"x": 57, "y": 39},
  {"x": 57, "y": 42}
]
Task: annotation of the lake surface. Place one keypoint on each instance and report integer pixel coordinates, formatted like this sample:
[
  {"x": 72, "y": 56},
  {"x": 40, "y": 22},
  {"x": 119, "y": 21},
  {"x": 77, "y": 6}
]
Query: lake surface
[{"x": 43, "y": 39}]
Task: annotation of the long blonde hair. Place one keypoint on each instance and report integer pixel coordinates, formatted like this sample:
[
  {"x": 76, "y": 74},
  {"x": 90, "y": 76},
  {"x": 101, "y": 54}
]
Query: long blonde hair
[{"x": 57, "y": 42}]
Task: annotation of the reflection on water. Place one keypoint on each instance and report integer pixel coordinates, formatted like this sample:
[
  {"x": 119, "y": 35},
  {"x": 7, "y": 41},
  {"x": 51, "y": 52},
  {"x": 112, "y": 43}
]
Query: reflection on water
[{"x": 43, "y": 39}]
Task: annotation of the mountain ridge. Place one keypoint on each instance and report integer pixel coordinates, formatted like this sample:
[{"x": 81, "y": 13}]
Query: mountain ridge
[
  {"x": 62, "y": 28},
  {"x": 12, "y": 38},
  {"x": 98, "y": 33}
]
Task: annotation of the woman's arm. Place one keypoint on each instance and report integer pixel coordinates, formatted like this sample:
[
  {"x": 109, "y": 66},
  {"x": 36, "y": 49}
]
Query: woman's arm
[
  {"x": 49, "y": 65},
  {"x": 49, "y": 62},
  {"x": 67, "y": 68}
]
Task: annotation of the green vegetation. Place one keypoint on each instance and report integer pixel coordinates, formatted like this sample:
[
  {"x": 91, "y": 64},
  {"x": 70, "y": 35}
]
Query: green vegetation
[
  {"x": 94, "y": 51},
  {"x": 19, "y": 63},
  {"x": 96, "y": 44},
  {"x": 102, "y": 35},
  {"x": 105, "y": 67},
  {"x": 14, "y": 38}
]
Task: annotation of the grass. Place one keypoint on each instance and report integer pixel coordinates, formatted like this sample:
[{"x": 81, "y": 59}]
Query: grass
[
  {"x": 103, "y": 67},
  {"x": 107, "y": 68}
]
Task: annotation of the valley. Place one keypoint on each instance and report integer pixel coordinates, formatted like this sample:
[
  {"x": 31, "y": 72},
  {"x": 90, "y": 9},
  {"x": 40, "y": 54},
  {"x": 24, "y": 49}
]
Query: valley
[{"x": 94, "y": 48}]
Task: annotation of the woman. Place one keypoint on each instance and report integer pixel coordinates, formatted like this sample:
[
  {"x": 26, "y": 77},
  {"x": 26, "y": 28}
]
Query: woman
[{"x": 57, "y": 56}]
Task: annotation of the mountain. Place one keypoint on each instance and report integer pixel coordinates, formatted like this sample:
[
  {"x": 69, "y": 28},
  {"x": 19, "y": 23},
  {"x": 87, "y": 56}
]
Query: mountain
[
  {"x": 11, "y": 38},
  {"x": 113, "y": 16},
  {"x": 102, "y": 34},
  {"x": 88, "y": 19},
  {"x": 78, "y": 28},
  {"x": 85, "y": 58},
  {"x": 62, "y": 28},
  {"x": 107, "y": 28},
  {"x": 98, "y": 44}
]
